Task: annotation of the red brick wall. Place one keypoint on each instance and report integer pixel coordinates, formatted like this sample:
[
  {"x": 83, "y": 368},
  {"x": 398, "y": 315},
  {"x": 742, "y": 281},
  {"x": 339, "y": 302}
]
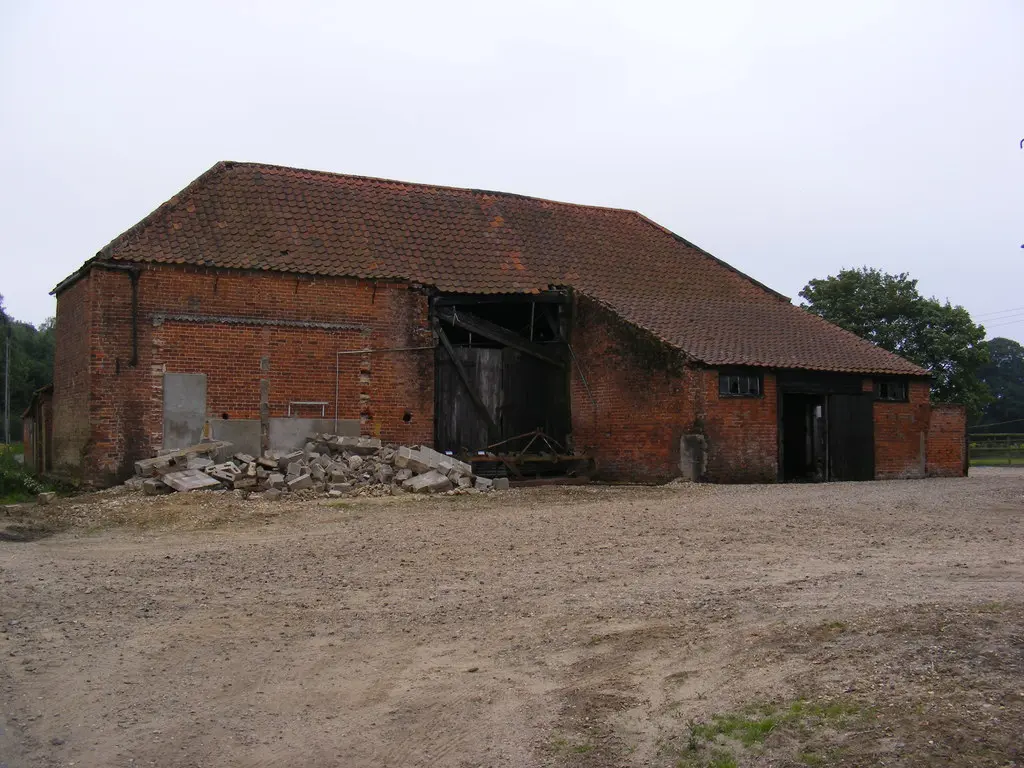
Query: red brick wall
[
  {"x": 71, "y": 430},
  {"x": 127, "y": 402},
  {"x": 947, "y": 431},
  {"x": 901, "y": 431},
  {"x": 742, "y": 433},
  {"x": 643, "y": 399}
]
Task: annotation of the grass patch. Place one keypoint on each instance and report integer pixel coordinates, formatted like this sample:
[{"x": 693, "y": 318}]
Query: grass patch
[
  {"x": 728, "y": 738},
  {"x": 994, "y": 461}
]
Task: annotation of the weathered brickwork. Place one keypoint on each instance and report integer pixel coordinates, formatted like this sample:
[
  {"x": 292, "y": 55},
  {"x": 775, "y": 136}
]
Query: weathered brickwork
[
  {"x": 71, "y": 375},
  {"x": 947, "y": 444},
  {"x": 640, "y": 399},
  {"x": 901, "y": 431},
  {"x": 238, "y": 329},
  {"x": 742, "y": 433}
]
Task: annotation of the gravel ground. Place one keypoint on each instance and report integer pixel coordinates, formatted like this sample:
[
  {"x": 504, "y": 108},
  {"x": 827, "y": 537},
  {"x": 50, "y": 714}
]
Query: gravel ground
[{"x": 583, "y": 625}]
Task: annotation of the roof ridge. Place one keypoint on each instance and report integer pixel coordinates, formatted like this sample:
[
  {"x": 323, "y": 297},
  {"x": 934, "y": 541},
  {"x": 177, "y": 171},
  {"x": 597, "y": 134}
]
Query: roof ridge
[{"x": 424, "y": 185}]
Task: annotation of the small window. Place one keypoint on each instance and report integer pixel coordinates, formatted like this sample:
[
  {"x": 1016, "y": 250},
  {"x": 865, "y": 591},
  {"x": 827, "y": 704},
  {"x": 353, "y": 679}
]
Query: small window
[
  {"x": 739, "y": 385},
  {"x": 893, "y": 390}
]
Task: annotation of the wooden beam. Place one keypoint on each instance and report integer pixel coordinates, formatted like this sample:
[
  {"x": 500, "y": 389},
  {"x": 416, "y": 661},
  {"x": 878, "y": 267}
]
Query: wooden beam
[
  {"x": 464, "y": 378},
  {"x": 495, "y": 332},
  {"x": 461, "y": 299}
]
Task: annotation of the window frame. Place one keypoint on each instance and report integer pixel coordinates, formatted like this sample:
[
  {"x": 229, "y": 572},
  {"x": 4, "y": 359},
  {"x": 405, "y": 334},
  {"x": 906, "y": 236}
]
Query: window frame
[
  {"x": 888, "y": 381},
  {"x": 725, "y": 374}
]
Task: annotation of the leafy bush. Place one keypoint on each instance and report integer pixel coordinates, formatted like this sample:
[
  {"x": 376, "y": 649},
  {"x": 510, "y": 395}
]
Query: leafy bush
[{"x": 15, "y": 483}]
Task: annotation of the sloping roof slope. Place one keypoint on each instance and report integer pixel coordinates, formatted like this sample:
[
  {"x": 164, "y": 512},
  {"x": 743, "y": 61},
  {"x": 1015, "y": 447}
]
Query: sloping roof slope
[{"x": 262, "y": 217}]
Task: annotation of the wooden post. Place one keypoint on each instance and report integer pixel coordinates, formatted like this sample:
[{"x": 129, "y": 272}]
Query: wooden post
[{"x": 264, "y": 416}]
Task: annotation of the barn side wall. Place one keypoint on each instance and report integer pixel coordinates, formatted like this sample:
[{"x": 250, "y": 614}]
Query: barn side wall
[
  {"x": 239, "y": 328},
  {"x": 947, "y": 441},
  {"x": 71, "y": 377},
  {"x": 901, "y": 432},
  {"x": 742, "y": 433},
  {"x": 638, "y": 400}
]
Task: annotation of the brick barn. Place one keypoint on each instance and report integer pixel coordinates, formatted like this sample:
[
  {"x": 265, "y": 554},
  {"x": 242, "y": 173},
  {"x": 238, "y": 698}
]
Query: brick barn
[{"x": 459, "y": 318}]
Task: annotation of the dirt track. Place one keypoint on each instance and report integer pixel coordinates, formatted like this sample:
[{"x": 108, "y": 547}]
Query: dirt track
[{"x": 573, "y": 626}]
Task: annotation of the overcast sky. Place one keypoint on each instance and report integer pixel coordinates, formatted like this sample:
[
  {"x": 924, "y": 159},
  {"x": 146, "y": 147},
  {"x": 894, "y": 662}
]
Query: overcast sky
[{"x": 790, "y": 139}]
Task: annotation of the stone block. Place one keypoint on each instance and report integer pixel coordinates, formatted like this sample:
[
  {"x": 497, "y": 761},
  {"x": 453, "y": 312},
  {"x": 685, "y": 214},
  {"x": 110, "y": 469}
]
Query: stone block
[
  {"x": 483, "y": 484},
  {"x": 286, "y": 459},
  {"x": 244, "y": 458},
  {"x": 154, "y": 486},
  {"x": 317, "y": 471},
  {"x": 342, "y": 487},
  {"x": 295, "y": 469},
  {"x": 402, "y": 475},
  {"x": 198, "y": 462},
  {"x": 273, "y": 493},
  {"x": 500, "y": 484},
  {"x": 339, "y": 473},
  {"x": 384, "y": 474},
  {"x": 355, "y": 462},
  {"x": 267, "y": 462},
  {"x": 367, "y": 445},
  {"x": 276, "y": 480},
  {"x": 300, "y": 483},
  {"x": 45, "y": 497},
  {"x": 464, "y": 482},
  {"x": 244, "y": 481}
]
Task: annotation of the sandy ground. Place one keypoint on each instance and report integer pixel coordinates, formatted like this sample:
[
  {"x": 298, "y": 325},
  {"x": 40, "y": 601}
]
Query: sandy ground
[{"x": 571, "y": 626}]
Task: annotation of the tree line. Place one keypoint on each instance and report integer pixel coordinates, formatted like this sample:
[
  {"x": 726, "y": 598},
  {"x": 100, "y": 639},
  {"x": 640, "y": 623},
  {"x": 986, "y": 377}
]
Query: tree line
[
  {"x": 888, "y": 310},
  {"x": 31, "y": 356}
]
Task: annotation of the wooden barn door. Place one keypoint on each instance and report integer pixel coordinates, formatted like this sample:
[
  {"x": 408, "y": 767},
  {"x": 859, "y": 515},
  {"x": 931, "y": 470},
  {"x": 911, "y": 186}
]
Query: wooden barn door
[
  {"x": 459, "y": 424},
  {"x": 851, "y": 437}
]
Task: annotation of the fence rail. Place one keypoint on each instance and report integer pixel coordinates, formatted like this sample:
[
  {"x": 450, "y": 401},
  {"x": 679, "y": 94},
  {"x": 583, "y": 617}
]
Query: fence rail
[{"x": 997, "y": 449}]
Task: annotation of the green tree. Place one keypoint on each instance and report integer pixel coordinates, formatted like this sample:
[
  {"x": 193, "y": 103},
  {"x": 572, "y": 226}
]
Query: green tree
[
  {"x": 889, "y": 311},
  {"x": 1004, "y": 375},
  {"x": 31, "y": 363}
]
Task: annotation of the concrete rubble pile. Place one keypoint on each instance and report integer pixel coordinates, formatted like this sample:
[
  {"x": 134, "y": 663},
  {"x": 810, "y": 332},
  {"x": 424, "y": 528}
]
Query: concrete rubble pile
[{"x": 328, "y": 465}]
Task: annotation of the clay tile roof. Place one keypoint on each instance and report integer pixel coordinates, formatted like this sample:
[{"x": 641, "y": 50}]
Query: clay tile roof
[{"x": 253, "y": 216}]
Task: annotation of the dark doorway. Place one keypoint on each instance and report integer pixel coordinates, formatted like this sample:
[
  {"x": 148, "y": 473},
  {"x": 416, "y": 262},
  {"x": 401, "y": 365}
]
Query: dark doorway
[
  {"x": 826, "y": 427},
  {"x": 851, "y": 437},
  {"x": 804, "y": 438},
  {"x": 501, "y": 370}
]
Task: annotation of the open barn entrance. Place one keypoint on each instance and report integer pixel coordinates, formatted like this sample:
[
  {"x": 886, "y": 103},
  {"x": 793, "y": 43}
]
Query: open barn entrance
[
  {"x": 826, "y": 428},
  {"x": 501, "y": 370}
]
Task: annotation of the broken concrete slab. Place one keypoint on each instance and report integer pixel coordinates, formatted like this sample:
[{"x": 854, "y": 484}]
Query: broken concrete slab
[
  {"x": 267, "y": 462},
  {"x": 429, "y": 482},
  {"x": 146, "y": 467},
  {"x": 190, "y": 480},
  {"x": 300, "y": 483},
  {"x": 198, "y": 462}
]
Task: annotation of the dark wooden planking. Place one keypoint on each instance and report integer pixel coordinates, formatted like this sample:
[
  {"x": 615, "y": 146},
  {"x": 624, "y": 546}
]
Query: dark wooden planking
[
  {"x": 459, "y": 425},
  {"x": 464, "y": 379},
  {"x": 494, "y": 332},
  {"x": 851, "y": 437}
]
